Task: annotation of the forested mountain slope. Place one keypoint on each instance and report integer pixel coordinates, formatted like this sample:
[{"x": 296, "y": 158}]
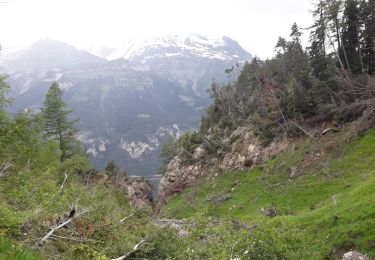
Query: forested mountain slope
[{"x": 130, "y": 104}]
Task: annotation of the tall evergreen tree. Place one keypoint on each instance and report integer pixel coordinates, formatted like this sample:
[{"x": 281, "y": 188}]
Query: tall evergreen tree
[
  {"x": 367, "y": 17},
  {"x": 333, "y": 9},
  {"x": 58, "y": 125},
  {"x": 317, "y": 49},
  {"x": 350, "y": 51}
]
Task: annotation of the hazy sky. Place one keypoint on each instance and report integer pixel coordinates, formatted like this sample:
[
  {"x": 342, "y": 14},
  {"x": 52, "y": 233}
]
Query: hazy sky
[{"x": 255, "y": 24}]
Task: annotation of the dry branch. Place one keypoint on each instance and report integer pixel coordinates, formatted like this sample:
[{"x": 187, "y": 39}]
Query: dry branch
[
  {"x": 63, "y": 183},
  {"x": 5, "y": 167},
  {"x": 124, "y": 219},
  {"x": 75, "y": 239},
  {"x": 136, "y": 248},
  {"x": 303, "y": 130},
  {"x": 66, "y": 222}
]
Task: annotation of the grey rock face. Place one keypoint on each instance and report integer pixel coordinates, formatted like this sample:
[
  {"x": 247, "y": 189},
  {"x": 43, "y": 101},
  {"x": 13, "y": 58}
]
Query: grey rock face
[
  {"x": 139, "y": 194},
  {"x": 245, "y": 150}
]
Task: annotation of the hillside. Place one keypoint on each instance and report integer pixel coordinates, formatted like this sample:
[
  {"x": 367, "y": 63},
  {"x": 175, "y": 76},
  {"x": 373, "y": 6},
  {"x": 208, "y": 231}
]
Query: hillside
[
  {"x": 286, "y": 149},
  {"x": 130, "y": 105},
  {"x": 322, "y": 186}
]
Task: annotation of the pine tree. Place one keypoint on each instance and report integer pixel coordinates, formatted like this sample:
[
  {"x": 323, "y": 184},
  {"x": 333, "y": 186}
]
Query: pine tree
[
  {"x": 332, "y": 10},
  {"x": 296, "y": 33},
  {"x": 350, "y": 51},
  {"x": 367, "y": 17},
  {"x": 317, "y": 49},
  {"x": 57, "y": 125}
]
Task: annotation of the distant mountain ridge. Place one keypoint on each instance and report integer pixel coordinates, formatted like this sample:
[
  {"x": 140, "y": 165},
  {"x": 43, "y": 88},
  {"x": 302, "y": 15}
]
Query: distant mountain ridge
[
  {"x": 130, "y": 105},
  {"x": 223, "y": 48},
  {"x": 47, "y": 54}
]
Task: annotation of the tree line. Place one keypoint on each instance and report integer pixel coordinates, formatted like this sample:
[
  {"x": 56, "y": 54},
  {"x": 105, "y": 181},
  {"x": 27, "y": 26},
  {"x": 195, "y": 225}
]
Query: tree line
[{"x": 331, "y": 79}]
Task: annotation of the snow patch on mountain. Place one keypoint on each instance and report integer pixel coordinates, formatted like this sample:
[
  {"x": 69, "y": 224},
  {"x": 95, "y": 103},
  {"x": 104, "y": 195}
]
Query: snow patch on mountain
[{"x": 171, "y": 46}]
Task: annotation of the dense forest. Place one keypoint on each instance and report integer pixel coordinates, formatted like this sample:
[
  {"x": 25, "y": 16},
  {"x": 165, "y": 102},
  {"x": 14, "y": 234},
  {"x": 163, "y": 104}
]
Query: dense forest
[{"x": 53, "y": 205}]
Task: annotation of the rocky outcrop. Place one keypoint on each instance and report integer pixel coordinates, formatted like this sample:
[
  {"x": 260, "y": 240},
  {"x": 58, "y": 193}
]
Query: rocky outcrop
[
  {"x": 244, "y": 150},
  {"x": 139, "y": 193},
  {"x": 178, "y": 176},
  {"x": 353, "y": 255},
  {"x": 247, "y": 150}
]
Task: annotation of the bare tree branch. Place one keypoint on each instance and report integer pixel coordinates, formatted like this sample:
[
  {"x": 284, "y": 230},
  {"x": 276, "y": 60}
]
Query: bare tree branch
[
  {"x": 63, "y": 183},
  {"x": 66, "y": 222},
  {"x": 136, "y": 248},
  {"x": 75, "y": 239},
  {"x": 124, "y": 219},
  {"x": 303, "y": 130},
  {"x": 5, "y": 167}
]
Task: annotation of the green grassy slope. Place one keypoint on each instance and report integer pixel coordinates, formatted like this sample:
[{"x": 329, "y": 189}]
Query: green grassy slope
[{"x": 332, "y": 197}]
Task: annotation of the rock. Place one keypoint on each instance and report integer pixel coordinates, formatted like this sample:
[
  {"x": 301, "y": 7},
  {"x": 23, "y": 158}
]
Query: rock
[
  {"x": 251, "y": 148},
  {"x": 199, "y": 153},
  {"x": 241, "y": 160},
  {"x": 353, "y": 255},
  {"x": 177, "y": 176},
  {"x": 238, "y": 132},
  {"x": 293, "y": 173},
  {"x": 245, "y": 150},
  {"x": 183, "y": 233},
  {"x": 139, "y": 193},
  {"x": 270, "y": 211}
]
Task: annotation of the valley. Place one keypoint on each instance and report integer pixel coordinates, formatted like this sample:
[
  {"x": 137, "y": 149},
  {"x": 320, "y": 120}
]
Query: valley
[{"x": 128, "y": 101}]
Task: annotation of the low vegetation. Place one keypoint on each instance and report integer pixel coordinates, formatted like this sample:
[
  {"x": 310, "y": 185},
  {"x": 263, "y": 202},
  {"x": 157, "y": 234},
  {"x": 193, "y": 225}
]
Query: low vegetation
[{"x": 327, "y": 201}]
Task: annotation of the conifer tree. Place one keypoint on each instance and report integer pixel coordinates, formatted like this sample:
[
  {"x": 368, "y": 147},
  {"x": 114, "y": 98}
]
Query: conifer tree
[
  {"x": 350, "y": 51},
  {"x": 332, "y": 12},
  {"x": 317, "y": 49},
  {"x": 57, "y": 123},
  {"x": 367, "y": 18}
]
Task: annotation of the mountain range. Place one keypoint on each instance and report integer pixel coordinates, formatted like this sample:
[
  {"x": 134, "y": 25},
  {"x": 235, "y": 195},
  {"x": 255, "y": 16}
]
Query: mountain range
[{"x": 131, "y": 98}]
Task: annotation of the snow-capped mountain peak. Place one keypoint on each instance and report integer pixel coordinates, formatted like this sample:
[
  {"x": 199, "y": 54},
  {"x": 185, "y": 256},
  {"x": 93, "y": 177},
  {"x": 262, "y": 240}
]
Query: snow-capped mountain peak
[{"x": 222, "y": 48}]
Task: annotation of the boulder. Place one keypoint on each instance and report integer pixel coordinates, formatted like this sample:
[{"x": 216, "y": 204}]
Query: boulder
[
  {"x": 293, "y": 173},
  {"x": 353, "y": 255},
  {"x": 199, "y": 153}
]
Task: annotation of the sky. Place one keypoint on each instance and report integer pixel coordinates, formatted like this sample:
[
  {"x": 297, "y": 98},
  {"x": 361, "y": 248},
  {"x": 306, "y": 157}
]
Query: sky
[{"x": 255, "y": 24}]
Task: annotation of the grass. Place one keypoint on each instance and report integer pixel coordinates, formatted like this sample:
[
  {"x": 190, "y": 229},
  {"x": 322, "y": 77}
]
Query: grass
[
  {"x": 333, "y": 195},
  {"x": 11, "y": 250}
]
